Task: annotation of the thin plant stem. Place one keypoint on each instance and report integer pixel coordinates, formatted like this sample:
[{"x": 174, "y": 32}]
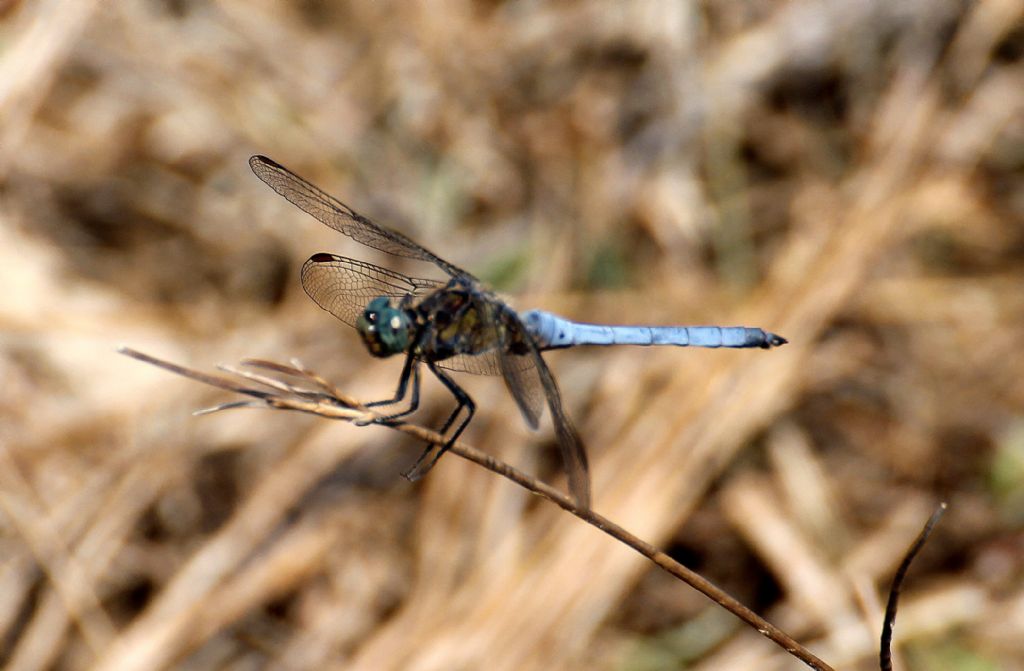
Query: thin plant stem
[
  {"x": 885, "y": 650},
  {"x": 322, "y": 399}
]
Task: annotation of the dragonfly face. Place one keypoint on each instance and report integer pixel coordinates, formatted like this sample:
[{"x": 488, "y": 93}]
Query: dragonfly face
[{"x": 385, "y": 329}]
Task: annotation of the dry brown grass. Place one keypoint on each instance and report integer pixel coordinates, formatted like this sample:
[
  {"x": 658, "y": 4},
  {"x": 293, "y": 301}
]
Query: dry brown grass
[{"x": 848, "y": 175}]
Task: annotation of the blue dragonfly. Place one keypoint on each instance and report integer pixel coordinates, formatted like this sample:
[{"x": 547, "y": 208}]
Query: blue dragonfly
[{"x": 460, "y": 325}]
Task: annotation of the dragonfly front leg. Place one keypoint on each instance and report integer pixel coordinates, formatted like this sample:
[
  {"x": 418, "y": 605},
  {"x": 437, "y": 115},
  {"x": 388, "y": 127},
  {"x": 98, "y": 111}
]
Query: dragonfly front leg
[
  {"x": 410, "y": 371},
  {"x": 463, "y": 400}
]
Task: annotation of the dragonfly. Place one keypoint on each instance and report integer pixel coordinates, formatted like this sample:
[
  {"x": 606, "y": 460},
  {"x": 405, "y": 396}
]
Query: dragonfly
[{"x": 459, "y": 325}]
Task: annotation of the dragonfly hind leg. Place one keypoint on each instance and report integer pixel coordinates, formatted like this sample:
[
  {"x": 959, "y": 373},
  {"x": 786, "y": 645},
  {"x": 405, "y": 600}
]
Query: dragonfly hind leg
[{"x": 463, "y": 400}]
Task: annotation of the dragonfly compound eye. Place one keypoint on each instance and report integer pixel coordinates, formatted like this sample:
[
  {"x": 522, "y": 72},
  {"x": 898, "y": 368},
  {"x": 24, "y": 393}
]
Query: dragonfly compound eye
[{"x": 384, "y": 329}]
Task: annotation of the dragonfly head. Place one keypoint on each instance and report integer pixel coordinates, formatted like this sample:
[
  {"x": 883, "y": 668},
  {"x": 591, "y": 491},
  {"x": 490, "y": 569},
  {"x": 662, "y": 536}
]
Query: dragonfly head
[{"x": 384, "y": 328}]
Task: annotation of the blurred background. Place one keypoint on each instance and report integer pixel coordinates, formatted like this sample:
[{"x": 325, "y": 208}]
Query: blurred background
[{"x": 848, "y": 175}]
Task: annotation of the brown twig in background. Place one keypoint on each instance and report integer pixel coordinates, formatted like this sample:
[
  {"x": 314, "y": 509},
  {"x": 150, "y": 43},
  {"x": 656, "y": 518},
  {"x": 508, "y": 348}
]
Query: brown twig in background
[
  {"x": 885, "y": 652},
  {"x": 325, "y": 401}
]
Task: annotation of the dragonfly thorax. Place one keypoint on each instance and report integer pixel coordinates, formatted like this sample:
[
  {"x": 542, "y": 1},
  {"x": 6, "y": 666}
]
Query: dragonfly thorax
[{"x": 384, "y": 328}]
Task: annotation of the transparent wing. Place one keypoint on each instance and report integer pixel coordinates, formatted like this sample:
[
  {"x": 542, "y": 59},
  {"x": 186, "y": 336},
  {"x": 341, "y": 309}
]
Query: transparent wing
[
  {"x": 344, "y": 286},
  {"x": 341, "y": 217},
  {"x": 485, "y": 363},
  {"x": 475, "y": 364},
  {"x": 574, "y": 454},
  {"x": 520, "y": 373},
  {"x": 531, "y": 383}
]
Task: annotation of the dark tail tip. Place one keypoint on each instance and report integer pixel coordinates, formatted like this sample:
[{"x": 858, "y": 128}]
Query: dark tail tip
[{"x": 774, "y": 340}]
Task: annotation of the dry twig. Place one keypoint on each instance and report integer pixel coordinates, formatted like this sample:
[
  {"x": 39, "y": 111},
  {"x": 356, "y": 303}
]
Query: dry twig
[{"x": 322, "y": 399}]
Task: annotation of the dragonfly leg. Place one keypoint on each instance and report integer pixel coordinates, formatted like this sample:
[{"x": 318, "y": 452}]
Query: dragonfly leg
[
  {"x": 455, "y": 413},
  {"x": 410, "y": 371},
  {"x": 463, "y": 400}
]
